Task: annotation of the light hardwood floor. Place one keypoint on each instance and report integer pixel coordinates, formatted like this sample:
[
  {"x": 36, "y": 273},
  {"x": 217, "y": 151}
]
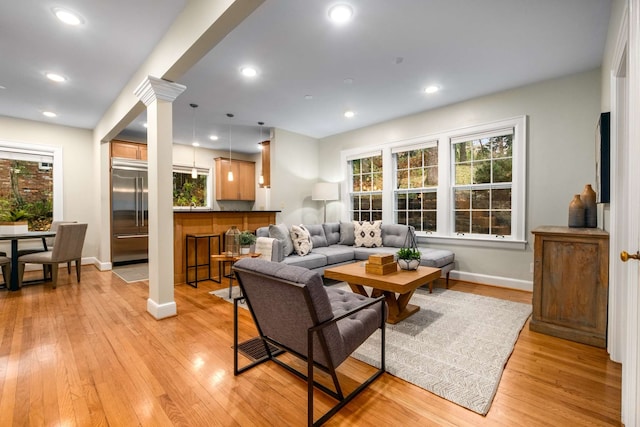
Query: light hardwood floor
[{"x": 89, "y": 355}]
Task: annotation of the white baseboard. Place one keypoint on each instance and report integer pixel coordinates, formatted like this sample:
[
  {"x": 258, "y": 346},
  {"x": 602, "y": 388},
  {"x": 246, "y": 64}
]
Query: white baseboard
[
  {"x": 102, "y": 266},
  {"x": 161, "y": 311},
  {"x": 484, "y": 279}
]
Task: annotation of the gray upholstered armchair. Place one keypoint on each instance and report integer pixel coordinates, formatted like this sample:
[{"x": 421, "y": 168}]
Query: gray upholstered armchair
[
  {"x": 67, "y": 248},
  {"x": 295, "y": 313}
]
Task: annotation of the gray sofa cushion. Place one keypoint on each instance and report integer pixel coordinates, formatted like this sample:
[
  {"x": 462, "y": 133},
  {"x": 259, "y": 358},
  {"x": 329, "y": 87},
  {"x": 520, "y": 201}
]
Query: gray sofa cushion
[
  {"x": 336, "y": 253},
  {"x": 435, "y": 257},
  {"x": 311, "y": 260},
  {"x": 395, "y": 235},
  {"x": 318, "y": 237},
  {"x": 347, "y": 234},
  {"x": 262, "y": 232},
  {"x": 281, "y": 232},
  {"x": 332, "y": 232}
]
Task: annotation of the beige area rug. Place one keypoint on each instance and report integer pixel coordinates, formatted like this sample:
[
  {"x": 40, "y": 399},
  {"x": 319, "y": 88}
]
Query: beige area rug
[
  {"x": 132, "y": 272},
  {"x": 456, "y": 346}
]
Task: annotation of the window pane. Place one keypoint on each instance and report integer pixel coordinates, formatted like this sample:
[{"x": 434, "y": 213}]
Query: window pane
[
  {"x": 502, "y": 146},
  {"x": 462, "y": 199},
  {"x": 415, "y": 176},
  {"x": 480, "y": 222},
  {"x": 376, "y": 202},
  {"x": 377, "y": 182},
  {"x": 366, "y": 165},
  {"x": 429, "y": 221},
  {"x": 429, "y": 201},
  {"x": 188, "y": 191},
  {"x": 415, "y": 159},
  {"x": 431, "y": 156},
  {"x": 463, "y": 174},
  {"x": 501, "y": 199},
  {"x": 401, "y": 201},
  {"x": 376, "y": 216},
  {"x": 415, "y": 219},
  {"x": 355, "y": 167},
  {"x": 502, "y": 170},
  {"x": 431, "y": 177},
  {"x": 481, "y": 149},
  {"x": 463, "y": 221},
  {"x": 403, "y": 179},
  {"x": 26, "y": 188},
  {"x": 376, "y": 163},
  {"x": 357, "y": 183},
  {"x": 501, "y": 223},
  {"x": 365, "y": 203},
  {"x": 462, "y": 152},
  {"x": 415, "y": 202},
  {"x": 355, "y": 203},
  {"x": 402, "y": 160},
  {"x": 480, "y": 199},
  {"x": 482, "y": 172}
]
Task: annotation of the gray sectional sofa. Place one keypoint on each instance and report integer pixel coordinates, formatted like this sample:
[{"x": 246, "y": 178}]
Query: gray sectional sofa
[{"x": 333, "y": 244}]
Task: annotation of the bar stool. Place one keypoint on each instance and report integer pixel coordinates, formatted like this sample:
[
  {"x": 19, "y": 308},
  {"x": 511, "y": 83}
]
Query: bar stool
[{"x": 196, "y": 265}]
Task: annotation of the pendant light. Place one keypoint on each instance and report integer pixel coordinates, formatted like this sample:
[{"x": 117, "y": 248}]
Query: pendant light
[
  {"x": 230, "y": 173},
  {"x": 194, "y": 170},
  {"x": 261, "y": 178}
]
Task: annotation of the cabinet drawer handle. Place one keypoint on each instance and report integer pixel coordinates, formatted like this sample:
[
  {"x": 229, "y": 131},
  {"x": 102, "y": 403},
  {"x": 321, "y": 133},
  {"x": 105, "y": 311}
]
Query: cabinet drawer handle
[{"x": 624, "y": 256}]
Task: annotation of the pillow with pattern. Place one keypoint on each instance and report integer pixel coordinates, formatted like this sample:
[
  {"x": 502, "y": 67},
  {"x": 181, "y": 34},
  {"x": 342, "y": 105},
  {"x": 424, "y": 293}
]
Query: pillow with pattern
[
  {"x": 301, "y": 239},
  {"x": 368, "y": 234}
]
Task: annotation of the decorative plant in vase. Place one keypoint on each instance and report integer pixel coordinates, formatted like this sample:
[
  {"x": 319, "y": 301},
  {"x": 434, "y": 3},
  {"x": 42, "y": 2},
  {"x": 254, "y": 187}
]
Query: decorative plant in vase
[
  {"x": 247, "y": 239},
  {"x": 408, "y": 258}
]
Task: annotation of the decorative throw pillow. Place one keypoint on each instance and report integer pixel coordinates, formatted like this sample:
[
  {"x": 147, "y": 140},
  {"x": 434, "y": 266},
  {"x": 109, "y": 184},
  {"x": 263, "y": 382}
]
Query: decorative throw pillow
[
  {"x": 347, "y": 236},
  {"x": 318, "y": 239},
  {"x": 281, "y": 232},
  {"x": 301, "y": 239},
  {"x": 368, "y": 234}
]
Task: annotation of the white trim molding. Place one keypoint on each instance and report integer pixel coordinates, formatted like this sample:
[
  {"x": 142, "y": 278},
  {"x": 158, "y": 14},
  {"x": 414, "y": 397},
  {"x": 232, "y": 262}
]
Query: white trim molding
[
  {"x": 485, "y": 279},
  {"x": 162, "y": 311}
]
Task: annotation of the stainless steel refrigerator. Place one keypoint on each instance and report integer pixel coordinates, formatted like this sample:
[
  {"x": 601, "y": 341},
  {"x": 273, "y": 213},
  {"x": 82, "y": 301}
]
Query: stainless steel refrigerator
[{"x": 129, "y": 211}]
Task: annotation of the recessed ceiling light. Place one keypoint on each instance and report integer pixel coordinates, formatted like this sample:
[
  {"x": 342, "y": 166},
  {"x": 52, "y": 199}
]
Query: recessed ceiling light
[
  {"x": 2, "y": 87},
  {"x": 349, "y": 114},
  {"x": 213, "y": 137},
  {"x": 49, "y": 114},
  {"x": 308, "y": 97},
  {"x": 67, "y": 17},
  {"x": 195, "y": 144},
  {"x": 249, "y": 71},
  {"x": 55, "y": 77},
  {"x": 340, "y": 13},
  {"x": 431, "y": 89}
]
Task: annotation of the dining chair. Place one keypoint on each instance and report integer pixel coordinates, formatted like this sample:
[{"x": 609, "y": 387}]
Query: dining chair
[
  {"x": 67, "y": 248},
  {"x": 47, "y": 242},
  {"x": 5, "y": 263}
]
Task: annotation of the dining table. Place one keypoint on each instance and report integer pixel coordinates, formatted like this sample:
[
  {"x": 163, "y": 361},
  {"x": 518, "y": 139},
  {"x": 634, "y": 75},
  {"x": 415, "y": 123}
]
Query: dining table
[{"x": 15, "y": 238}]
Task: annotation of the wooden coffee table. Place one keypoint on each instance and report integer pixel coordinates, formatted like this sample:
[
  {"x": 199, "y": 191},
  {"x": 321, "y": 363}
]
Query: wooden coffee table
[{"x": 402, "y": 282}]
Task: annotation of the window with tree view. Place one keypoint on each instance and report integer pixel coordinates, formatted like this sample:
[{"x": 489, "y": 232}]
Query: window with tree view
[
  {"x": 482, "y": 187},
  {"x": 188, "y": 191},
  {"x": 416, "y": 187},
  {"x": 26, "y": 190},
  {"x": 366, "y": 188}
]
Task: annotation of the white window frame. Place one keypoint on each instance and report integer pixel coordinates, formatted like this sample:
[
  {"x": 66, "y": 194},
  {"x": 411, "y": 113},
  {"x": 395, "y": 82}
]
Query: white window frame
[
  {"x": 42, "y": 153},
  {"x": 445, "y": 233},
  {"x": 349, "y": 181}
]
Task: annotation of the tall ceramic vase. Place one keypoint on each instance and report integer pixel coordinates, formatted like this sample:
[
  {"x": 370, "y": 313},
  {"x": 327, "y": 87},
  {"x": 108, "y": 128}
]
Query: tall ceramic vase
[
  {"x": 588, "y": 198},
  {"x": 576, "y": 212}
]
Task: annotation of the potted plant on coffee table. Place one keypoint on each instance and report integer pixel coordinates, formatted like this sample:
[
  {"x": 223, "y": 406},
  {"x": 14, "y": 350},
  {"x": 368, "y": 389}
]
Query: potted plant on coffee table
[
  {"x": 408, "y": 258},
  {"x": 247, "y": 239}
]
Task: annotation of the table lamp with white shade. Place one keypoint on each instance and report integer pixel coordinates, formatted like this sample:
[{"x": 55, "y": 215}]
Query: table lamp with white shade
[{"x": 325, "y": 191}]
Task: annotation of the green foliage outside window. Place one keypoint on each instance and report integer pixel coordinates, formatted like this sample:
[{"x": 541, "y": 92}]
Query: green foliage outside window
[
  {"x": 26, "y": 193},
  {"x": 188, "y": 191}
]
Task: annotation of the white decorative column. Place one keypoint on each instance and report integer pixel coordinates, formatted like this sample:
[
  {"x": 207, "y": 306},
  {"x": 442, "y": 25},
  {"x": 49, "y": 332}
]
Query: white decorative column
[{"x": 158, "y": 95}]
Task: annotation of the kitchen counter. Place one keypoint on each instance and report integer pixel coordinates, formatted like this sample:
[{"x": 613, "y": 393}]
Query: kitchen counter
[{"x": 201, "y": 221}]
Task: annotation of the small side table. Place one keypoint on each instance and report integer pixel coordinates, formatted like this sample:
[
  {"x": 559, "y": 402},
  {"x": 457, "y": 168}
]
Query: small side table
[
  {"x": 196, "y": 265},
  {"x": 223, "y": 259}
]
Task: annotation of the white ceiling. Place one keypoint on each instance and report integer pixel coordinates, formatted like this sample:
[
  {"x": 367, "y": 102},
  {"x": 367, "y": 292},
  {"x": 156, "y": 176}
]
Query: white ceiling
[{"x": 390, "y": 51}]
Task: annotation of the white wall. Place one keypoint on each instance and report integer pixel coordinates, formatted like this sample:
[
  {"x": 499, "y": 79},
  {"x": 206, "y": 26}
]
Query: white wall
[
  {"x": 79, "y": 177},
  {"x": 562, "y": 116},
  {"x": 294, "y": 170}
]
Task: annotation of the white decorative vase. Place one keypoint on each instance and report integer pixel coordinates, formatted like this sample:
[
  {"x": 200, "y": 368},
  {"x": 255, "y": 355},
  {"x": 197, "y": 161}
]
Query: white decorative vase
[
  {"x": 409, "y": 264},
  {"x": 19, "y": 227},
  {"x": 244, "y": 250}
]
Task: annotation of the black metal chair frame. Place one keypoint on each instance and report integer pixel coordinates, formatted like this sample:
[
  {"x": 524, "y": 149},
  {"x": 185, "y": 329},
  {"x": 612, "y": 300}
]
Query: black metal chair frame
[{"x": 309, "y": 376}]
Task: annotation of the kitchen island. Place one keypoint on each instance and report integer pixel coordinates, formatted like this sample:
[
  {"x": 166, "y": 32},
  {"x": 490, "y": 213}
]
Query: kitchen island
[{"x": 199, "y": 221}]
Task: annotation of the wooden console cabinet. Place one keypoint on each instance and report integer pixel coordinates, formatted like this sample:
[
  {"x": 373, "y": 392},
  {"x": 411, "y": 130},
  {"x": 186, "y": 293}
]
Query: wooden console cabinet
[{"x": 571, "y": 283}]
